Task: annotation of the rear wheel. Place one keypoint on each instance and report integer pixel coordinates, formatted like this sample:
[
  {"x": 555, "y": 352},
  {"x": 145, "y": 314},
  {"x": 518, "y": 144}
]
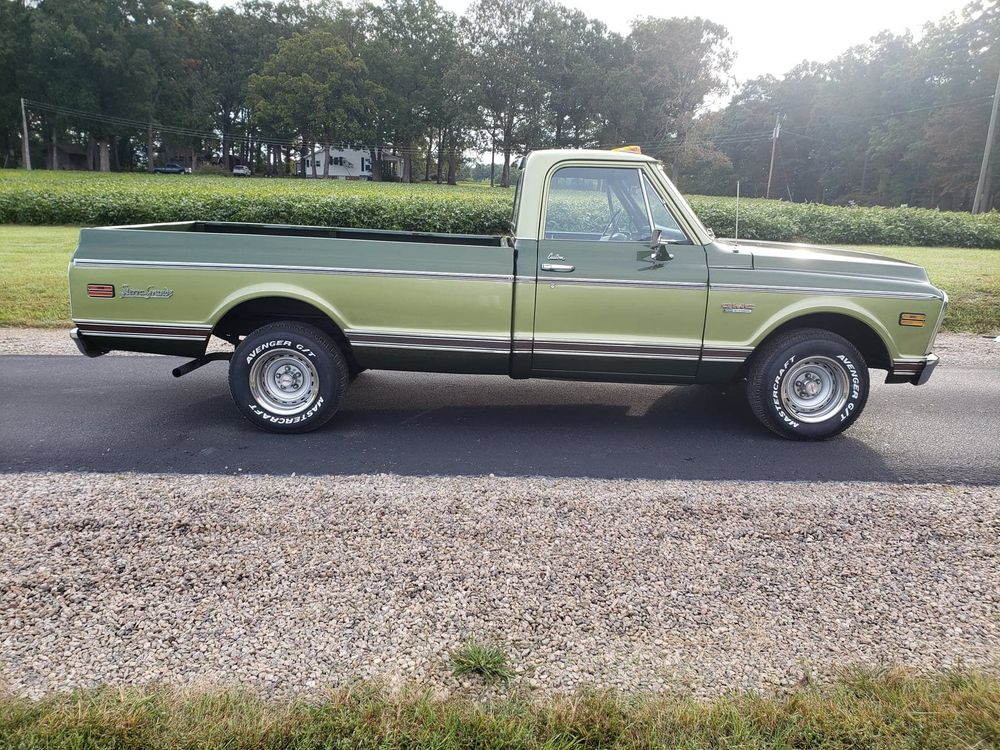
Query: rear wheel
[
  {"x": 288, "y": 377},
  {"x": 807, "y": 384}
]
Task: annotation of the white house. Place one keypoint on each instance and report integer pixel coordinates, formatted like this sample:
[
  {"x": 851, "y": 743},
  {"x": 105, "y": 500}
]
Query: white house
[{"x": 350, "y": 163}]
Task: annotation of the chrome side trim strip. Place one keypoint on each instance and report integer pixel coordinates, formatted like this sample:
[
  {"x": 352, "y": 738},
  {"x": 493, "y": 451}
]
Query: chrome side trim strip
[
  {"x": 140, "y": 324},
  {"x": 428, "y": 347},
  {"x": 337, "y": 271},
  {"x": 356, "y": 334},
  {"x": 505, "y": 346},
  {"x": 626, "y": 355},
  {"x": 134, "y": 335},
  {"x": 430, "y": 342},
  {"x": 820, "y": 291},
  {"x": 629, "y": 283},
  {"x": 621, "y": 347}
]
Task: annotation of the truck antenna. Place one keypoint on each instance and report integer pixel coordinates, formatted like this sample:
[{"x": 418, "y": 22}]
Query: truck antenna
[{"x": 736, "y": 239}]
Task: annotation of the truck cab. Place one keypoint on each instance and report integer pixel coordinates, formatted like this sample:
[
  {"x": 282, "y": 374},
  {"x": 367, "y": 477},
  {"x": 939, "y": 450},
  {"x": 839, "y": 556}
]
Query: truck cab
[{"x": 618, "y": 267}]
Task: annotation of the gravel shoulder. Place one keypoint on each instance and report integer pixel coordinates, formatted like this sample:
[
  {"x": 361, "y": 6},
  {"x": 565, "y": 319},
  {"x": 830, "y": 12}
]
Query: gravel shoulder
[
  {"x": 290, "y": 585},
  {"x": 955, "y": 349},
  {"x": 55, "y": 341}
]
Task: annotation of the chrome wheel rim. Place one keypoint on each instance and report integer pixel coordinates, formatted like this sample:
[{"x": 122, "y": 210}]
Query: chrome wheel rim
[
  {"x": 815, "y": 389},
  {"x": 284, "y": 381}
]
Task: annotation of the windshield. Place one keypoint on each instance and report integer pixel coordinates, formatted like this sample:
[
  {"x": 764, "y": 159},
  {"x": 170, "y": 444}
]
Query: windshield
[{"x": 691, "y": 215}]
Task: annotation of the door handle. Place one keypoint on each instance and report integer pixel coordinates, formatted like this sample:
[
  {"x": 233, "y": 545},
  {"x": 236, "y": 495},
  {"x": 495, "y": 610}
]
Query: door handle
[{"x": 560, "y": 267}]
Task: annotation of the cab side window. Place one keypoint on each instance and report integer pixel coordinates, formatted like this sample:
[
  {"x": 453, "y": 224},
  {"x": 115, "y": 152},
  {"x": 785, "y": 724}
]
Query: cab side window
[{"x": 597, "y": 204}]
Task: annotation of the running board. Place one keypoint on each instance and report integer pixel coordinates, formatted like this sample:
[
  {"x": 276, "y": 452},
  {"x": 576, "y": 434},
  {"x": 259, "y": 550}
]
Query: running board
[{"x": 194, "y": 364}]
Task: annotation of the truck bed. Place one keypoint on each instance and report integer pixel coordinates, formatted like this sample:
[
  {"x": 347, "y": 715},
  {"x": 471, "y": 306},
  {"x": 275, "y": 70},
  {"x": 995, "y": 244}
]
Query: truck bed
[{"x": 163, "y": 288}]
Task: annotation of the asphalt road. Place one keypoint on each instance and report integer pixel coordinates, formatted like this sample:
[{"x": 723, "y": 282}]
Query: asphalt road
[{"x": 68, "y": 413}]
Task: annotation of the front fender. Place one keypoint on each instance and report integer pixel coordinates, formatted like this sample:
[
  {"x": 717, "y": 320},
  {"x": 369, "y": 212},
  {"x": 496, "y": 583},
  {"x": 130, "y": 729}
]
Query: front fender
[
  {"x": 802, "y": 308},
  {"x": 761, "y": 313}
]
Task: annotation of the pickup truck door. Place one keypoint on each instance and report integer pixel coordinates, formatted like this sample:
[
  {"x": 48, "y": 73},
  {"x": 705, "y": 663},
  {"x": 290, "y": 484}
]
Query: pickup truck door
[{"x": 606, "y": 301}]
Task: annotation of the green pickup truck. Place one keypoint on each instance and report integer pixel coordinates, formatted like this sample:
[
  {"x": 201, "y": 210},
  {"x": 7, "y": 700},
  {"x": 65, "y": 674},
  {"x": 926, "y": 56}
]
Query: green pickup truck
[{"x": 606, "y": 275}]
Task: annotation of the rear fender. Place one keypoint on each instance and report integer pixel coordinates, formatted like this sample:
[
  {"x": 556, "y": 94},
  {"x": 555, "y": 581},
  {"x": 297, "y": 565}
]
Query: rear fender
[{"x": 288, "y": 291}]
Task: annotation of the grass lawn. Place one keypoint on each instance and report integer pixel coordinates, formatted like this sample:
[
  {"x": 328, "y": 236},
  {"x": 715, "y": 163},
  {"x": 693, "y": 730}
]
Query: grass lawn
[
  {"x": 33, "y": 278},
  {"x": 33, "y": 262},
  {"x": 872, "y": 711}
]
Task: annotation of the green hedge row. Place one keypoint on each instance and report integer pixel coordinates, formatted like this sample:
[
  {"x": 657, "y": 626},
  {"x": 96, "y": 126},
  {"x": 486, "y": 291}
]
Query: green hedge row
[
  {"x": 856, "y": 225},
  {"x": 98, "y": 199}
]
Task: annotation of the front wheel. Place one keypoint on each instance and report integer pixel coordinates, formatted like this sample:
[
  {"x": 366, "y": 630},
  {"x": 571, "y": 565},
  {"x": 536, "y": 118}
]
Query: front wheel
[
  {"x": 288, "y": 377},
  {"x": 807, "y": 384}
]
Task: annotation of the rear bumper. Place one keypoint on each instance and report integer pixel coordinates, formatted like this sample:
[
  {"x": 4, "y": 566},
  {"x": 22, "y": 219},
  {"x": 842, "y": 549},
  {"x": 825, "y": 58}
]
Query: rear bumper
[
  {"x": 86, "y": 346},
  {"x": 916, "y": 372}
]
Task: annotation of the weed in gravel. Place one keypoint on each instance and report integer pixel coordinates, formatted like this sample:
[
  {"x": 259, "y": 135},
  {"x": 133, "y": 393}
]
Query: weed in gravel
[{"x": 488, "y": 660}]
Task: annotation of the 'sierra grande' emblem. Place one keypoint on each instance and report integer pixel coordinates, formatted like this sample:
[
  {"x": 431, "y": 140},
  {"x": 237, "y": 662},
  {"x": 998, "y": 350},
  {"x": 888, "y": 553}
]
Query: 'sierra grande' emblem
[
  {"x": 147, "y": 293},
  {"x": 737, "y": 307}
]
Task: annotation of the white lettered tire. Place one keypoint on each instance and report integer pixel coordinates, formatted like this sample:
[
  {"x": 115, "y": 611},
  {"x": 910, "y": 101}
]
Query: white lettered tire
[
  {"x": 288, "y": 377},
  {"x": 807, "y": 384}
]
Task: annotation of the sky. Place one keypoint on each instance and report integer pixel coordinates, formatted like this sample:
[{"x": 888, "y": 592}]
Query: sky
[{"x": 771, "y": 37}]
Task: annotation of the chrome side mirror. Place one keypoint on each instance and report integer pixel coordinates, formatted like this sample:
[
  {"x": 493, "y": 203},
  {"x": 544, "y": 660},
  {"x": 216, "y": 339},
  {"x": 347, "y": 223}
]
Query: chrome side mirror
[{"x": 659, "y": 248}]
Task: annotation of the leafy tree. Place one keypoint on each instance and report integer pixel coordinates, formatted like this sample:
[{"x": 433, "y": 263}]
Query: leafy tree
[
  {"x": 504, "y": 44},
  {"x": 411, "y": 47},
  {"x": 316, "y": 84},
  {"x": 576, "y": 54},
  {"x": 15, "y": 35},
  {"x": 679, "y": 65}
]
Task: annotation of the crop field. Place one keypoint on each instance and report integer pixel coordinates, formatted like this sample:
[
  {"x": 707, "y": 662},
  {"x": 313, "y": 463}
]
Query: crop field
[
  {"x": 98, "y": 199},
  {"x": 89, "y": 199},
  {"x": 33, "y": 288}
]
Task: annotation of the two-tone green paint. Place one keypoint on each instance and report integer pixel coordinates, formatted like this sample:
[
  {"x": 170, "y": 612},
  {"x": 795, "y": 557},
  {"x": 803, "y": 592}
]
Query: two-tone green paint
[{"x": 489, "y": 304}]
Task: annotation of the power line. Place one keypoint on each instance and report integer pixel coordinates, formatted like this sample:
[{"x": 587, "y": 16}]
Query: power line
[
  {"x": 897, "y": 113},
  {"x": 187, "y": 132}
]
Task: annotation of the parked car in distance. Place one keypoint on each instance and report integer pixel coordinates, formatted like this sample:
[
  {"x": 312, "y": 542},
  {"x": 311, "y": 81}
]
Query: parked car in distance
[
  {"x": 241, "y": 170},
  {"x": 606, "y": 275},
  {"x": 170, "y": 169}
]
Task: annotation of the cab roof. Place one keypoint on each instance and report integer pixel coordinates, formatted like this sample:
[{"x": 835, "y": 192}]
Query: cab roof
[{"x": 549, "y": 156}]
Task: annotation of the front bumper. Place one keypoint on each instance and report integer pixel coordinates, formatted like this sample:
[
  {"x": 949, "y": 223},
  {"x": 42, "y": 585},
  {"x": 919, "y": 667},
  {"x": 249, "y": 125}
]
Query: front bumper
[
  {"x": 916, "y": 372},
  {"x": 925, "y": 374},
  {"x": 86, "y": 346}
]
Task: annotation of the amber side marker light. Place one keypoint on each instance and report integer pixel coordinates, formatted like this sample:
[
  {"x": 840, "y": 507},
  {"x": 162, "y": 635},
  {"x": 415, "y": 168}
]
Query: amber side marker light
[
  {"x": 100, "y": 290},
  {"x": 916, "y": 320}
]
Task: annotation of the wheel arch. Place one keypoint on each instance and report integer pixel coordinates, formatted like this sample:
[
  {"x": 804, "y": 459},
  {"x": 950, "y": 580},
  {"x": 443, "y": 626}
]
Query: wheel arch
[
  {"x": 250, "y": 309},
  {"x": 859, "y": 331}
]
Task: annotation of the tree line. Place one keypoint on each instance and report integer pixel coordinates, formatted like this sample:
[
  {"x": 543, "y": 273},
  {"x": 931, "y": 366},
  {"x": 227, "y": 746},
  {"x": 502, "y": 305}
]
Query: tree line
[{"x": 266, "y": 82}]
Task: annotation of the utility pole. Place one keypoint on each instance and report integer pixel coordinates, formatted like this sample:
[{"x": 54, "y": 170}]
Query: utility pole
[
  {"x": 982, "y": 189},
  {"x": 493, "y": 154},
  {"x": 25, "y": 147},
  {"x": 149, "y": 147},
  {"x": 775, "y": 134}
]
